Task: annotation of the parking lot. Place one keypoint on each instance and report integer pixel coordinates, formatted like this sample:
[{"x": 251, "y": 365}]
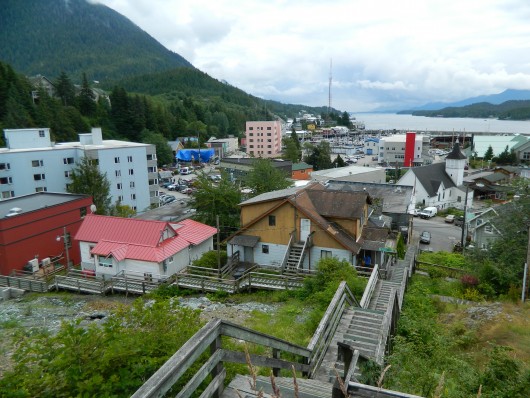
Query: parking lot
[
  {"x": 180, "y": 208},
  {"x": 443, "y": 235}
]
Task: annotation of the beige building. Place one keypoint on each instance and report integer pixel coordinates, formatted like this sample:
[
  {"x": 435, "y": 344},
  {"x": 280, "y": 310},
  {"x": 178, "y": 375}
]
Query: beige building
[{"x": 264, "y": 139}]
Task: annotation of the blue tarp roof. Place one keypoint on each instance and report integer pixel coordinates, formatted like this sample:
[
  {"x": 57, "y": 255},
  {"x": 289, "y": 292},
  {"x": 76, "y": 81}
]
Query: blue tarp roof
[{"x": 187, "y": 155}]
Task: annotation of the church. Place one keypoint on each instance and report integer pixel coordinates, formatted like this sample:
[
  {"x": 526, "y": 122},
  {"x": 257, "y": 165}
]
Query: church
[{"x": 440, "y": 185}]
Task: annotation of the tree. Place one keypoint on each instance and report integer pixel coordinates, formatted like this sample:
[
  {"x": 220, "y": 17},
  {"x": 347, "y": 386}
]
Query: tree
[
  {"x": 86, "y": 179},
  {"x": 212, "y": 200},
  {"x": 86, "y": 99},
  {"x": 65, "y": 89},
  {"x": 489, "y": 153},
  {"x": 339, "y": 162},
  {"x": 319, "y": 156},
  {"x": 291, "y": 151},
  {"x": 506, "y": 157},
  {"x": 164, "y": 153},
  {"x": 264, "y": 177}
]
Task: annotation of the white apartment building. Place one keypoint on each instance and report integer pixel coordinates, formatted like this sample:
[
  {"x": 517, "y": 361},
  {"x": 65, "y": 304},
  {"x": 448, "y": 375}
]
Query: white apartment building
[
  {"x": 264, "y": 139},
  {"x": 31, "y": 162},
  {"x": 397, "y": 148}
]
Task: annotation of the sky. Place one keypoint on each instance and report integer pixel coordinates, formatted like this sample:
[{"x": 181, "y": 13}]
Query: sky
[{"x": 381, "y": 54}]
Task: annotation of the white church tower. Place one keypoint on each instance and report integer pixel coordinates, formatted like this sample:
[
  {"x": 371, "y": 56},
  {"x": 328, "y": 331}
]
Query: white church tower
[{"x": 455, "y": 163}]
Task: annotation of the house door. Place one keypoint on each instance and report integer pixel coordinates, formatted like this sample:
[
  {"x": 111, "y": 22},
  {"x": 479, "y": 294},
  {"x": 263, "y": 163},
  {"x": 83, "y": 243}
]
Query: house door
[
  {"x": 305, "y": 228},
  {"x": 248, "y": 254}
]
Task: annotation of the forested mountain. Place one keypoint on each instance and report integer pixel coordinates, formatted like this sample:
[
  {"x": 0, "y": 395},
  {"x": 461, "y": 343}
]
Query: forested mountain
[
  {"x": 509, "y": 110},
  {"x": 75, "y": 36}
]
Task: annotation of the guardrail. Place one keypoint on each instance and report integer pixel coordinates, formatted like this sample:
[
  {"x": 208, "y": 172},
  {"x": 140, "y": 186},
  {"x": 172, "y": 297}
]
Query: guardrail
[
  {"x": 328, "y": 324},
  {"x": 286, "y": 256},
  {"x": 29, "y": 284},
  {"x": 210, "y": 338},
  {"x": 370, "y": 287}
]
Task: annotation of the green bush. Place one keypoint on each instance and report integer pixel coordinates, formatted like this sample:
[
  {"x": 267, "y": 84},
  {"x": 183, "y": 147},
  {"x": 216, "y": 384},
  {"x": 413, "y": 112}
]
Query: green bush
[{"x": 209, "y": 260}]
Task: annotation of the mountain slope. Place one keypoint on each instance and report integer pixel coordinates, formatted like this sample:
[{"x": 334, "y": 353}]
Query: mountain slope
[
  {"x": 49, "y": 36},
  {"x": 496, "y": 99}
]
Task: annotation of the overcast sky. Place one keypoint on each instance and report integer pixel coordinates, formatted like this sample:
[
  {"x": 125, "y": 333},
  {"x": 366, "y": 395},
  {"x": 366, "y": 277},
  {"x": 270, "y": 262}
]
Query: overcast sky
[{"x": 385, "y": 53}]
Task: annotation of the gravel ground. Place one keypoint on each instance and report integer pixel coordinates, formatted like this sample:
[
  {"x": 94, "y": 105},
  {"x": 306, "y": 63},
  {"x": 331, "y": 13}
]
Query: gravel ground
[{"x": 50, "y": 310}]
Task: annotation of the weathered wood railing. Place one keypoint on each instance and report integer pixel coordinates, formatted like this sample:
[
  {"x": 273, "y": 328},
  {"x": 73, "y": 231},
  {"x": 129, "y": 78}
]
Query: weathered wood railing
[
  {"x": 209, "y": 338},
  {"x": 388, "y": 326},
  {"x": 231, "y": 264},
  {"x": 370, "y": 287},
  {"x": 286, "y": 255},
  {"x": 328, "y": 324},
  {"x": 29, "y": 284}
]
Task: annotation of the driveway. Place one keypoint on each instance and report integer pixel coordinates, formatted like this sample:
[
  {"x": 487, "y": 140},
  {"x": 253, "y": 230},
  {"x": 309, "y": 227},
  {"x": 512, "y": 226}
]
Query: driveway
[{"x": 443, "y": 235}]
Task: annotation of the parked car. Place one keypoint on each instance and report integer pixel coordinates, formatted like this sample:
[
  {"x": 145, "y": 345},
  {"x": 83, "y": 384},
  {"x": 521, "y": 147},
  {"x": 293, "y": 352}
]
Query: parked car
[
  {"x": 186, "y": 191},
  {"x": 168, "y": 199},
  {"x": 171, "y": 187},
  {"x": 450, "y": 218},
  {"x": 459, "y": 221},
  {"x": 425, "y": 237}
]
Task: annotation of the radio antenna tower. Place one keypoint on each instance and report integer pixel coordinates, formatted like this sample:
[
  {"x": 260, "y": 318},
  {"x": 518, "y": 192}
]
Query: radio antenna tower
[{"x": 329, "y": 88}]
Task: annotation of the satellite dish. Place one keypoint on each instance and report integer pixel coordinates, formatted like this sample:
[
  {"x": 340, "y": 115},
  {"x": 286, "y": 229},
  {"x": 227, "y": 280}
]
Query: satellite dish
[{"x": 93, "y": 208}]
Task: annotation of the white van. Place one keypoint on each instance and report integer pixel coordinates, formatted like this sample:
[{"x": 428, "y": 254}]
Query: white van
[
  {"x": 185, "y": 171},
  {"x": 428, "y": 212}
]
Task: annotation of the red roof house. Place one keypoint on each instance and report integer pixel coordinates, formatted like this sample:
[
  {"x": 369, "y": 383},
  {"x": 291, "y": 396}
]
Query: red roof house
[{"x": 148, "y": 249}]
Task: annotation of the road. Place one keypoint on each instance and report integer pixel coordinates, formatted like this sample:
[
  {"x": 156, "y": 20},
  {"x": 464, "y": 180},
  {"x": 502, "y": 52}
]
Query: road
[{"x": 443, "y": 235}]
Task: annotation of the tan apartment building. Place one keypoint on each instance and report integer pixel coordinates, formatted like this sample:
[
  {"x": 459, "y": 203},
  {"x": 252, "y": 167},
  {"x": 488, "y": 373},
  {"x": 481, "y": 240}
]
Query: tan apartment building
[{"x": 264, "y": 139}]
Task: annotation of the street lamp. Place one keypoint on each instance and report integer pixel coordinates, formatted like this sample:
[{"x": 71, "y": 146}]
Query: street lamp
[{"x": 66, "y": 238}]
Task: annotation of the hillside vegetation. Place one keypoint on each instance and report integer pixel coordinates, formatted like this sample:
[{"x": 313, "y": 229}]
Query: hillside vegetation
[
  {"x": 51, "y": 36},
  {"x": 509, "y": 110}
]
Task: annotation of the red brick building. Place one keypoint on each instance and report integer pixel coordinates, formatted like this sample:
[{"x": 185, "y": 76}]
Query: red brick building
[{"x": 33, "y": 226}]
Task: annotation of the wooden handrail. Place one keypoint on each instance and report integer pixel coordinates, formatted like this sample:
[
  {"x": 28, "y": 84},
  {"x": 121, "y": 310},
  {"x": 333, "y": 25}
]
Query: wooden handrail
[
  {"x": 328, "y": 324},
  {"x": 370, "y": 286},
  {"x": 209, "y": 337}
]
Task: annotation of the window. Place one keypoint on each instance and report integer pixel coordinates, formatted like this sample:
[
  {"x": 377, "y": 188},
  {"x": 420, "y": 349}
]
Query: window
[
  {"x": 117, "y": 160},
  {"x": 459, "y": 199},
  {"x": 41, "y": 133},
  {"x": 268, "y": 128},
  {"x": 38, "y": 177},
  {"x": 272, "y": 221},
  {"x": 489, "y": 229},
  {"x": 118, "y": 185},
  {"x": 68, "y": 173},
  {"x": 129, "y": 159},
  {"x": 37, "y": 163},
  {"x": 265, "y": 249},
  {"x": 105, "y": 261},
  {"x": 118, "y": 173},
  {"x": 133, "y": 196},
  {"x": 91, "y": 255},
  {"x": 152, "y": 181},
  {"x": 526, "y": 155},
  {"x": 6, "y": 180},
  {"x": 151, "y": 169},
  {"x": 131, "y": 184},
  {"x": 325, "y": 253},
  {"x": 4, "y": 166},
  {"x": 148, "y": 277},
  {"x": 120, "y": 198},
  {"x": 94, "y": 162},
  {"x": 68, "y": 160},
  {"x": 131, "y": 172},
  {"x": 151, "y": 157},
  {"x": 269, "y": 134},
  {"x": 251, "y": 128},
  {"x": 8, "y": 194},
  {"x": 41, "y": 189},
  {"x": 82, "y": 212}
]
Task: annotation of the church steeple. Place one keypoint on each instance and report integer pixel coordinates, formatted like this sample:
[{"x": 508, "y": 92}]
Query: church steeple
[{"x": 455, "y": 163}]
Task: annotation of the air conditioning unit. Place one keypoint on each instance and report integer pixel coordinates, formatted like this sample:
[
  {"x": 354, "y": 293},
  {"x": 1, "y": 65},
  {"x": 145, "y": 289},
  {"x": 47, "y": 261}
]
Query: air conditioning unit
[
  {"x": 34, "y": 264},
  {"x": 46, "y": 261}
]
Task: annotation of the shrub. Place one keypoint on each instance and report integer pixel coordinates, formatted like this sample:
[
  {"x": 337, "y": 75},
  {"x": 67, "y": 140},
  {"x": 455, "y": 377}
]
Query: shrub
[{"x": 469, "y": 281}]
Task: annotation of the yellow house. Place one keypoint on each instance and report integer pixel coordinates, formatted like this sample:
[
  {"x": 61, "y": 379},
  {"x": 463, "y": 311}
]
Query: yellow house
[{"x": 296, "y": 227}]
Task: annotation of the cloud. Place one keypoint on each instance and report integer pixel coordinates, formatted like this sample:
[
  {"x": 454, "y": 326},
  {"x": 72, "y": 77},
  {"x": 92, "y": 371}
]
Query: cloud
[{"x": 384, "y": 51}]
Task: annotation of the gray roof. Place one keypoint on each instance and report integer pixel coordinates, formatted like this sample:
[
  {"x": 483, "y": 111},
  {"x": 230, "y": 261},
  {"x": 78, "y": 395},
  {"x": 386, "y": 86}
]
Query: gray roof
[
  {"x": 244, "y": 240},
  {"x": 431, "y": 176},
  {"x": 395, "y": 198},
  {"x": 456, "y": 153},
  {"x": 280, "y": 194},
  {"x": 36, "y": 201}
]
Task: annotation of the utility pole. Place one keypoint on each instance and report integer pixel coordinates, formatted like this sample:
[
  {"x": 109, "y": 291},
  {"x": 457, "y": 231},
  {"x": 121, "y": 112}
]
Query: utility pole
[
  {"x": 218, "y": 247},
  {"x": 462, "y": 242},
  {"x": 526, "y": 275}
]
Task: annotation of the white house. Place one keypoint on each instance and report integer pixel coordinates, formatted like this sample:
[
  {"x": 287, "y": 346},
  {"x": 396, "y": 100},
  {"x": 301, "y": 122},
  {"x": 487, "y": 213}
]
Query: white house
[
  {"x": 31, "y": 163},
  {"x": 152, "y": 250},
  {"x": 440, "y": 184}
]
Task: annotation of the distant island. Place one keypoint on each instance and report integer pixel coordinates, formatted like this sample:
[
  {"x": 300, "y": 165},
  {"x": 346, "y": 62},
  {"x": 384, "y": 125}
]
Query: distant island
[{"x": 509, "y": 110}]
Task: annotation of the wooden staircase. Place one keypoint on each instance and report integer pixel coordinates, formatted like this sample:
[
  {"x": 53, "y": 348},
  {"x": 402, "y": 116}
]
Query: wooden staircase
[{"x": 294, "y": 257}]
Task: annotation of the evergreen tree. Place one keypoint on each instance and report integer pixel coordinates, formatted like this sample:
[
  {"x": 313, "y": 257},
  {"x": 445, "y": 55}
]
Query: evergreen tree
[
  {"x": 489, "y": 153},
  {"x": 87, "y": 179},
  {"x": 164, "y": 154},
  {"x": 86, "y": 99},
  {"x": 339, "y": 162},
  {"x": 291, "y": 152},
  {"x": 506, "y": 157},
  {"x": 65, "y": 89},
  {"x": 319, "y": 156}
]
